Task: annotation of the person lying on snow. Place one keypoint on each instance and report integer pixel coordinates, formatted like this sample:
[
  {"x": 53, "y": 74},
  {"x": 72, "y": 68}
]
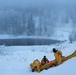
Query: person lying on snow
[
  {"x": 37, "y": 64},
  {"x": 44, "y": 60}
]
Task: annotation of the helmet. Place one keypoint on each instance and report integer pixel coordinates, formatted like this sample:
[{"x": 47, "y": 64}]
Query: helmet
[
  {"x": 44, "y": 56},
  {"x": 54, "y": 50}
]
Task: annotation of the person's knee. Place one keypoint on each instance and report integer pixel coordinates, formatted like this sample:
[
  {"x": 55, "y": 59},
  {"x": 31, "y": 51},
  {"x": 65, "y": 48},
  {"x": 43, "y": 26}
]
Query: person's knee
[{"x": 38, "y": 68}]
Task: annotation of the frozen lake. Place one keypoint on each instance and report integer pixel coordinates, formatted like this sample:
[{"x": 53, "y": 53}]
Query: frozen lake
[{"x": 27, "y": 41}]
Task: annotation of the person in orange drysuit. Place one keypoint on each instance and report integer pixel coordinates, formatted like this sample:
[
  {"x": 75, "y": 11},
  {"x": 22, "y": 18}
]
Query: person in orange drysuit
[
  {"x": 58, "y": 56},
  {"x": 44, "y": 60}
]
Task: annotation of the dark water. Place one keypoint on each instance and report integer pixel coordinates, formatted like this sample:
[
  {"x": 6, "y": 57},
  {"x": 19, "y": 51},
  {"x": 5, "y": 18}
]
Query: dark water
[{"x": 27, "y": 41}]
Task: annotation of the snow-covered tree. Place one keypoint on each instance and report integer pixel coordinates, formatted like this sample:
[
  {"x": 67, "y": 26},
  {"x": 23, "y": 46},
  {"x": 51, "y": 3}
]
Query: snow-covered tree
[{"x": 30, "y": 26}]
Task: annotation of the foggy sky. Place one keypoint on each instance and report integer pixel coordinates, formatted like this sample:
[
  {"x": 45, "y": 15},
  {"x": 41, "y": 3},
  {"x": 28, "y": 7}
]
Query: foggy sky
[{"x": 30, "y": 3}]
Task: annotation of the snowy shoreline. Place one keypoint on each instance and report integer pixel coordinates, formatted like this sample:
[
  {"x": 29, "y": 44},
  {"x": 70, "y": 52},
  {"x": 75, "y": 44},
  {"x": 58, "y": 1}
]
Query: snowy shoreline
[{"x": 15, "y": 60}]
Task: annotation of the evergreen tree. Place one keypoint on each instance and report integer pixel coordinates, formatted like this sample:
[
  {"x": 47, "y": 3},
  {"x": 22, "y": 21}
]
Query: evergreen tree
[{"x": 30, "y": 26}]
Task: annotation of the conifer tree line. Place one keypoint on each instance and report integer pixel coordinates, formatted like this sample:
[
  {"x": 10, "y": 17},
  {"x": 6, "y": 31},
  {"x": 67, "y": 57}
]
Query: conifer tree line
[{"x": 32, "y": 22}]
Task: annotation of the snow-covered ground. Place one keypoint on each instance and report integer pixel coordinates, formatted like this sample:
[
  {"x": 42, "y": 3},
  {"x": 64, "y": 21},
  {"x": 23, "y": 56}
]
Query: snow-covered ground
[{"x": 15, "y": 60}]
